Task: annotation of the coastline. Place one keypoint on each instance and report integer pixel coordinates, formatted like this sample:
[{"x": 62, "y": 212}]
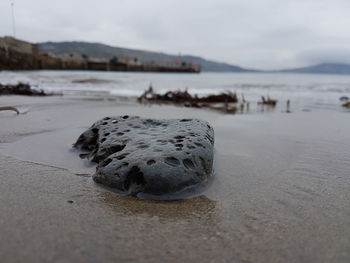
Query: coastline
[{"x": 280, "y": 192}]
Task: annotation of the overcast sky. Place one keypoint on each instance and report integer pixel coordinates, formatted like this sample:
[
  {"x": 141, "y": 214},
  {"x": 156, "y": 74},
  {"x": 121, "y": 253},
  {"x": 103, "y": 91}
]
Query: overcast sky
[{"x": 266, "y": 34}]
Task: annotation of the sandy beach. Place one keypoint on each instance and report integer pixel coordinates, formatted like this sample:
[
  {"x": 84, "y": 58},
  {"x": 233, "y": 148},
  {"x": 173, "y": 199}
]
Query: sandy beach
[{"x": 280, "y": 191}]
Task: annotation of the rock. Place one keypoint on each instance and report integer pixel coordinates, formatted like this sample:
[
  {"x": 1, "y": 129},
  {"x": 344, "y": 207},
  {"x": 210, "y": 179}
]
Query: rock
[{"x": 149, "y": 158}]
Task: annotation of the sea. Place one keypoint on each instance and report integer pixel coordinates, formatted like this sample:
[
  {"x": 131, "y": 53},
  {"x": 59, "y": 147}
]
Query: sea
[{"x": 309, "y": 91}]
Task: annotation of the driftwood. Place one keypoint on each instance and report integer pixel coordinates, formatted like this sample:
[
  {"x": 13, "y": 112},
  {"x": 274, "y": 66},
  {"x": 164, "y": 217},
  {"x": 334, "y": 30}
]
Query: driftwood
[
  {"x": 20, "y": 89},
  {"x": 267, "y": 101},
  {"x": 188, "y": 100},
  {"x": 9, "y": 108}
]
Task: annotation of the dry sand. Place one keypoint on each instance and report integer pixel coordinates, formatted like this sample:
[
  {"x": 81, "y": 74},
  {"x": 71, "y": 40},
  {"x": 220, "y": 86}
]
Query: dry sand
[{"x": 281, "y": 191}]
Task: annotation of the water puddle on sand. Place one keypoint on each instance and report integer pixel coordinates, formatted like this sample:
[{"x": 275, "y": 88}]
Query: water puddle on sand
[{"x": 52, "y": 148}]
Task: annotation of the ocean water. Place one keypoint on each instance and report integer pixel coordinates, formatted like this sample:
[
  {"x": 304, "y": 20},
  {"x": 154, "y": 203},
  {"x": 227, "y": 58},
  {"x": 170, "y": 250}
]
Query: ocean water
[{"x": 303, "y": 90}]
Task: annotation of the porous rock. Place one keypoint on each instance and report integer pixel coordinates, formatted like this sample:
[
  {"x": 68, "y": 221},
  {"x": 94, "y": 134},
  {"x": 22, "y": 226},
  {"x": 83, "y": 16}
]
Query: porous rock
[{"x": 156, "y": 159}]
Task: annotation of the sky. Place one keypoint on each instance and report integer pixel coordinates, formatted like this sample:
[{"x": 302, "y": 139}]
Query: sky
[{"x": 258, "y": 34}]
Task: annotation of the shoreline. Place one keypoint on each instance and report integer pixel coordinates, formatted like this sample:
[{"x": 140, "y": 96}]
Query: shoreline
[{"x": 280, "y": 192}]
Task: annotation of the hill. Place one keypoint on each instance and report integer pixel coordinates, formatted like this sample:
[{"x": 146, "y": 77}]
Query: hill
[
  {"x": 324, "y": 68},
  {"x": 97, "y": 50}
]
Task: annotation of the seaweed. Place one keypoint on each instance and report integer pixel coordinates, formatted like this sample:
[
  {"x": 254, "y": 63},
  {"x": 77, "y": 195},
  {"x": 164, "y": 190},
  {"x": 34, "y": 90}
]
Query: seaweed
[
  {"x": 20, "y": 89},
  {"x": 179, "y": 96},
  {"x": 185, "y": 99},
  {"x": 267, "y": 101},
  {"x": 346, "y": 105}
]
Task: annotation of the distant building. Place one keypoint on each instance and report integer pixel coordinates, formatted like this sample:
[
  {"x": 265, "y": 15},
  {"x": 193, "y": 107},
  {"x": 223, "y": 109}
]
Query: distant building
[{"x": 20, "y": 55}]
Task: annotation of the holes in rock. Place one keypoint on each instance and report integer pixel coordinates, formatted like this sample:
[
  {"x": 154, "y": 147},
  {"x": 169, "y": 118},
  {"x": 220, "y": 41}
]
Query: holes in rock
[
  {"x": 179, "y": 137},
  {"x": 120, "y": 133},
  {"x": 125, "y": 117},
  {"x": 107, "y": 118},
  {"x": 103, "y": 139},
  {"x": 150, "y": 162},
  {"x": 124, "y": 164},
  {"x": 184, "y": 120},
  {"x": 154, "y": 123},
  {"x": 116, "y": 148},
  {"x": 199, "y": 144},
  {"x": 172, "y": 161},
  {"x": 210, "y": 139},
  {"x": 122, "y": 156},
  {"x": 104, "y": 123},
  {"x": 106, "y": 134},
  {"x": 94, "y": 130},
  {"x": 142, "y": 146},
  {"x": 126, "y": 130},
  {"x": 204, "y": 164},
  {"x": 191, "y": 147},
  {"x": 179, "y": 145},
  {"x": 106, "y": 162},
  {"x": 188, "y": 164},
  {"x": 84, "y": 155},
  {"x": 134, "y": 180},
  {"x": 162, "y": 142},
  {"x": 179, "y": 140}
]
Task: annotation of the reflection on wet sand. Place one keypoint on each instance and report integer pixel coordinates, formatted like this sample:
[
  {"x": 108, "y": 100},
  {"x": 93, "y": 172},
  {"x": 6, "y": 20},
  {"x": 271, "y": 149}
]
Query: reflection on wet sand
[{"x": 198, "y": 208}]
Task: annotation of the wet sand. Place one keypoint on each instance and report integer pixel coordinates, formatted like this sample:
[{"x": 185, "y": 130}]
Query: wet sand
[{"x": 281, "y": 191}]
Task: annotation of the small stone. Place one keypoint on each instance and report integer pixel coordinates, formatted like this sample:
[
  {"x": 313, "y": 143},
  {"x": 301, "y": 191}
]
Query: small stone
[{"x": 144, "y": 157}]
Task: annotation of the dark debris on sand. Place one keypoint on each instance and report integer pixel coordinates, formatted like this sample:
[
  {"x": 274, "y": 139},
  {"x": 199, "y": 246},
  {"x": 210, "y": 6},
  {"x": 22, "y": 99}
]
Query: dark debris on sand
[
  {"x": 346, "y": 105},
  {"x": 226, "y": 102},
  {"x": 20, "y": 89},
  {"x": 267, "y": 101}
]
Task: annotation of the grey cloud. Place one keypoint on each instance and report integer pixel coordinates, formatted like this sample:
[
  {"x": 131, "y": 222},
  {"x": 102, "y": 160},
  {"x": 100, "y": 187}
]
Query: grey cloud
[
  {"x": 324, "y": 55},
  {"x": 264, "y": 34}
]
